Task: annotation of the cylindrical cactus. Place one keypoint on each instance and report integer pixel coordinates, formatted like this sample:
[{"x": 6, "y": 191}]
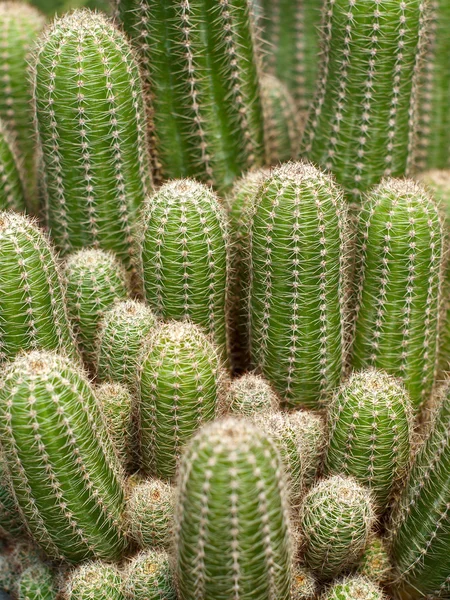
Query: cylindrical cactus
[
  {"x": 375, "y": 563},
  {"x": 11, "y": 523},
  {"x": 65, "y": 475},
  {"x": 304, "y": 585},
  {"x": 184, "y": 256},
  {"x": 400, "y": 272},
  {"x": 180, "y": 387},
  {"x": 32, "y": 305},
  {"x": 149, "y": 577},
  {"x": 298, "y": 283},
  {"x": 232, "y": 537},
  {"x": 251, "y": 394},
  {"x": 94, "y": 281},
  {"x": 352, "y": 588},
  {"x": 37, "y": 583},
  {"x": 370, "y": 427},
  {"x": 203, "y": 80},
  {"x": 121, "y": 332},
  {"x": 97, "y": 580},
  {"x": 363, "y": 120},
  {"x": 336, "y": 520},
  {"x": 90, "y": 122},
  {"x": 12, "y": 190}
]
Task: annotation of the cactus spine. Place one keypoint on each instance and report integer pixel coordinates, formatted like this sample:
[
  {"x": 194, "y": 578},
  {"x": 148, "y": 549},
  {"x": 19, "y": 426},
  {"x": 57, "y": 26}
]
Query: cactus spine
[
  {"x": 399, "y": 286},
  {"x": 353, "y": 587},
  {"x": 36, "y": 583},
  {"x": 363, "y": 121},
  {"x": 201, "y": 70},
  {"x": 184, "y": 246},
  {"x": 231, "y": 525},
  {"x": 298, "y": 244},
  {"x": 90, "y": 123},
  {"x": 149, "y": 577},
  {"x": 64, "y": 473},
  {"x": 95, "y": 580},
  {"x": 32, "y": 305},
  {"x": 12, "y": 191}
]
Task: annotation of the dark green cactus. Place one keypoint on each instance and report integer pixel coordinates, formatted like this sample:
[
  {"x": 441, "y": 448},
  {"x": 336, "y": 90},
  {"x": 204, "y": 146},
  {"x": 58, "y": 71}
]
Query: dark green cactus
[
  {"x": 37, "y": 583},
  {"x": 375, "y": 563},
  {"x": 149, "y": 577},
  {"x": 65, "y": 475},
  {"x": 91, "y": 125},
  {"x": 12, "y": 190},
  {"x": 352, "y": 588},
  {"x": 202, "y": 75},
  {"x": 232, "y": 535},
  {"x": 95, "y": 580},
  {"x": 251, "y": 394},
  {"x": 304, "y": 585}
]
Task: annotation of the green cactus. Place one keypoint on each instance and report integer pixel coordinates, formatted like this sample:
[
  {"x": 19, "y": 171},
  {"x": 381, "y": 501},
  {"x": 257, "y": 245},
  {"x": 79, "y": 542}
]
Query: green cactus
[
  {"x": 202, "y": 72},
  {"x": 8, "y": 578},
  {"x": 370, "y": 427},
  {"x": 149, "y": 577},
  {"x": 37, "y": 583},
  {"x": 232, "y": 533},
  {"x": 400, "y": 275},
  {"x": 90, "y": 123},
  {"x": 94, "y": 281},
  {"x": 150, "y": 513},
  {"x": 64, "y": 473},
  {"x": 363, "y": 120},
  {"x": 336, "y": 520},
  {"x": 304, "y": 584},
  {"x": 12, "y": 190},
  {"x": 298, "y": 283},
  {"x": 95, "y": 580},
  {"x": 32, "y": 306},
  {"x": 11, "y": 524},
  {"x": 352, "y": 588},
  {"x": 121, "y": 332},
  {"x": 251, "y": 394},
  {"x": 184, "y": 256},
  {"x": 375, "y": 563},
  {"x": 180, "y": 387}
]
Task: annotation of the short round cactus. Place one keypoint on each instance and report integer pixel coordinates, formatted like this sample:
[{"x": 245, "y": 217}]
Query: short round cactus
[
  {"x": 148, "y": 576},
  {"x": 375, "y": 563},
  {"x": 304, "y": 585},
  {"x": 251, "y": 394},
  {"x": 37, "y": 583},
  {"x": 95, "y": 580},
  {"x": 12, "y": 190},
  {"x": 354, "y": 588},
  {"x": 8, "y": 576}
]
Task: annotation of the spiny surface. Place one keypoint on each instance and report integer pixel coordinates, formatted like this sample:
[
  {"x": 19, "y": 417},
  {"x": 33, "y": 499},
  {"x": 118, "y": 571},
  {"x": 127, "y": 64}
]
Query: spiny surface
[
  {"x": 304, "y": 585},
  {"x": 12, "y": 189},
  {"x": 37, "y": 583},
  {"x": 353, "y": 588},
  {"x": 95, "y": 580},
  {"x": 148, "y": 576},
  {"x": 375, "y": 563},
  {"x": 251, "y": 394}
]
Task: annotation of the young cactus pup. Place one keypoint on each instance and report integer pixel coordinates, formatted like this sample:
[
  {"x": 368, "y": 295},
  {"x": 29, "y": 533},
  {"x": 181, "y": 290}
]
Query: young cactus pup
[
  {"x": 12, "y": 191},
  {"x": 37, "y": 583},
  {"x": 90, "y": 122},
  {"x": 232, "y": 537},
  {"x": 400, "y": 272},
  {"x": 298, "y": 244},
  {"x": 64, "y": 473},
  {"x": 375, "y": 563},
  {"x": 352, "y": 588},
  {"x": 304, "y": 585},
  {"x": 149, "y": 577},
  {"x": 251, "y": 394},
  {"x": 97, "y": 580}
]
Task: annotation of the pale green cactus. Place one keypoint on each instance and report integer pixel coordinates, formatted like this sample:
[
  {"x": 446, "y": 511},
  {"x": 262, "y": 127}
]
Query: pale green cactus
[
  {"x": 95, "y": 580},
  {"x": 304, "y": 585},
  {"x": 375, "y": 563},
  {"x": 37, "y": 583},
  {"x": 148, "y": 576},
  {"x": 250, "y": 394},
  {"x": 352, "y": 588}
]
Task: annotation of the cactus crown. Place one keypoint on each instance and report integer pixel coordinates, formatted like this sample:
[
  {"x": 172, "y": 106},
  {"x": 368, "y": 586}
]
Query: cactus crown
[
  {"x": 148, "y": 576},
  {"x": 251, "y": 394},
  {"x": 97, "y": 580},
  {"x": 354, "y": 588},
  {"x": 304, "y": 584}
]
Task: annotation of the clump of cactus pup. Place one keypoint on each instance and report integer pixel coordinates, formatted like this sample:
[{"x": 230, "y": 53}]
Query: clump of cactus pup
[
  {"x": 299, "y": 244},
  {"x": 232, "y": 533},
  {"x": 12, "y": 192},
  {"x": 150, "y": 513},
  {"x": 336, "y": 520},
  {"x": 251, "y": 394},
  {"x": 98, "y": 580},
  {"x": 203, "y": 80},
  {"x": 121, "y": 331},
  {"x": 148, "y": 576},
  {"x": 420, "y": 529},
  {"x": 180, "y": 387},
  {"x": 90, "y": 123},
  {"x": 363, "y": 120},
  {"x": 11, "y": 523},
  {"x": 184, "y": 256},
  {"x": 304, "y": 584},
  {"x": 94, "y": 281},
  {"x": 32, "y": 306},
  {"x": 64, "y": 472},
  {"x": 399, "y": 282},
  {"x": 20, "y": 24},
  {"x": 375, "y": 563},
  {"x": 37, "y": 583},
  {"x": 370, "y": 427},
  {"x": 353, "y": 588}
]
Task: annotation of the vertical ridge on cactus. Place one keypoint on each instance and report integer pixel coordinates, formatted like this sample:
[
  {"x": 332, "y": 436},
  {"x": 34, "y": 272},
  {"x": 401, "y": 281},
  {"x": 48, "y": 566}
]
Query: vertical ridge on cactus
[
  {"x": 98, "y": 580},
  {"x": 353, "y": 587},
  {"x": 64, "y": 473},
  {"x": 90, "y": 123},
  {"x": 148, "y": 576},
  {"x": 12, "y": 190}
]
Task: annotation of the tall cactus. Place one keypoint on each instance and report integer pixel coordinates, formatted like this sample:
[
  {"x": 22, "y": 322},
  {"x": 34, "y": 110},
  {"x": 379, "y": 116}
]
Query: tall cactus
[
  {"x": 90, "y": 123},
  {"x": 298, "y": 283},
  {"x": 12, "y": 190},
  {"x": 32, "y": 305},
  {"x": 399, "y": 285},
  {"x": 363, "y": 120},
  {"x": 64, "y": 473},
  {"x": 232, "y": 528}
]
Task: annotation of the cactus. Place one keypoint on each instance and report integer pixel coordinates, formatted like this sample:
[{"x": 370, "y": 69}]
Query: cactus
[
  {"x": 12, "y": 191},
  {"x": 180, "y": 387},
  {"x": 353, "y": 587},
  {"x": 32, "y": 307},
  {"x": 304, "y": 584},
  {"x": 95, "y": 580},
  {"x": 184, "y": 256},
  {"x": 64, "y": 473},
  {"x": 150, "y": 513},
  {"x": 336, "y": 520},
  {"x": 399, "y": 286},
  {"x": 121, "y": 332},
  {"x": 420, "y": 527},
  {"x": 251, "y": 394},
  {"x": 149, "y": 577},
  {"x": 8, "y": 578},
  {"x": 18, "y": 557},
  {"x": 90, "y": 123},
  {"x": 362, "y": 124},
  {"x": 370, "y": 433},
  {"x": 232, "y": 533},
  {"x": 94, "y": 280},
  {"x": 36, "y": 583},
  {"x": 298, "y": 244},
  {"x": 202, "y": 73},
  {"x": 375, "y": 563},
  {"x": 10, "y": 521}
]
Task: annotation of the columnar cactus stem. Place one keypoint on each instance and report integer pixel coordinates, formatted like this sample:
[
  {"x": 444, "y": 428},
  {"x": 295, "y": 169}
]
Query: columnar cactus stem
[
  {"x": 90, "y": 123},
  {"x": 95, "y": 580},
  {"x": 354, "y": 587},
  {"x": 65, "y": 475},
  {"x": 149, "y": 577},
  {"x": 12, "y": 191},
  {"x": 363, "y": 121},
  {"x": 232, "y": 528},
  {"x": 32, "y": 305},
  {"x": 150, "y": 513},
  {"x": 251, "y": 394},
  {"x": 202, "y": 73},
  {"x": 37, "y": 583},
  {"x": 299, "y": 244},
  {"x": 304, "y": 584},
  {"x": 399, "y": 285},
  {"x": 184, "y": 256},
  {"x": 375, "y": 563}
]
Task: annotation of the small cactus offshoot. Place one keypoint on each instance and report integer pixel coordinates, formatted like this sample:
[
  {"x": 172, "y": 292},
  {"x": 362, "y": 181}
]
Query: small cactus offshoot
[
  {"x": 304, "y": 585},
  {"x": 354, "y": 588},
  {"x": 148, "y": 576},
  {"x": 95, "y": 580},
  {"x": 375, "y": 563},
  {"x": 251, "y": 394},
  {"x": 37, "y": 583}
]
